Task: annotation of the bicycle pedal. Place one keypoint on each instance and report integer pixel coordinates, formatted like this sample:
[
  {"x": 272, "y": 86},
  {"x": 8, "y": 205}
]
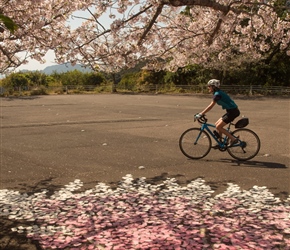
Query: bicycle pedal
[{"x": 216, "y": 146}]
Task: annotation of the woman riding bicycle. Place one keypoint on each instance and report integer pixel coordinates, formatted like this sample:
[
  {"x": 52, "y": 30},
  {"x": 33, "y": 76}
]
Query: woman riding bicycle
[{"x": 222, "y": 99}]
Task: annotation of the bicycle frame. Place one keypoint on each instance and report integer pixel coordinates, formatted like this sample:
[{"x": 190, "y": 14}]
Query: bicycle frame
[{"x": 206, "y": 126}]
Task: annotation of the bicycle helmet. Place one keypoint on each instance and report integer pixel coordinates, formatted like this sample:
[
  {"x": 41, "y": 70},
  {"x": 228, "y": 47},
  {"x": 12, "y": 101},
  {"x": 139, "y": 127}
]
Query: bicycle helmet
[{"x": 214, "y": 83}]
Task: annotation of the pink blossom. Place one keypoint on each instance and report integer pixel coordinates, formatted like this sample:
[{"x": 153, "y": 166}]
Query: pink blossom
[{"x": 142, "y": 216}]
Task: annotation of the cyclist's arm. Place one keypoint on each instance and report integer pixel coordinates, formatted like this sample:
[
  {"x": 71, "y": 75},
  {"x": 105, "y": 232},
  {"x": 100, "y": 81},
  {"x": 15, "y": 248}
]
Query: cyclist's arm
[{"x": 208, "y": 108}]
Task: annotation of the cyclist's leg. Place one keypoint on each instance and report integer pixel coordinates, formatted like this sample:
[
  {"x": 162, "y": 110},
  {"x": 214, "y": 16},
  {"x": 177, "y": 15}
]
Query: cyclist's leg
[
  {"x": 224, "y": 120},
  {"x": 220, "y": 127},
  {"x": 216, "y": 124}
]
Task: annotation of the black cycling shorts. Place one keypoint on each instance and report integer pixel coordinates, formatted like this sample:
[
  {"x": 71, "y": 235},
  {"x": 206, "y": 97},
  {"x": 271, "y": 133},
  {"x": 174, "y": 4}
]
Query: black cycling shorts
[{"x": 230, "y": 115}]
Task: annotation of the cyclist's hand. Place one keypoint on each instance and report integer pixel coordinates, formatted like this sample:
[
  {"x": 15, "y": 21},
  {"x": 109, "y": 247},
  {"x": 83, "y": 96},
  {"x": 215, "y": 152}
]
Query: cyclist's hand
[{"x": 197, "y": 116}]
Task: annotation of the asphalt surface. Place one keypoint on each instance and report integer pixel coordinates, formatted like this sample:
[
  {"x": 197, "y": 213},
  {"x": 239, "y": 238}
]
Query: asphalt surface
[{"x": 49, "y": 141}]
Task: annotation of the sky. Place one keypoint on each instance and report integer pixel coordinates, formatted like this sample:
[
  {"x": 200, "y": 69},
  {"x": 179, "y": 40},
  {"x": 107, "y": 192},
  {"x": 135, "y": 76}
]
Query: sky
[
  {"x": 49, "y": 57},
  {"x": 35, "y": 65}
]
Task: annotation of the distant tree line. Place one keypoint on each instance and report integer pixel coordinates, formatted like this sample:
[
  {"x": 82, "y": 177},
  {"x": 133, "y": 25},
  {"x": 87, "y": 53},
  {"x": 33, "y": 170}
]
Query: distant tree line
[
  {"x": 273, "y": 73},
  {"x": 37, "y": 78}
]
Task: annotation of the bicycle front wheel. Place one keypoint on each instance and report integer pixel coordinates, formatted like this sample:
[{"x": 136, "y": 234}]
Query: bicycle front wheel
[
  {"x": 194, "y": 143},
  {"x": 248, "y": 147}
]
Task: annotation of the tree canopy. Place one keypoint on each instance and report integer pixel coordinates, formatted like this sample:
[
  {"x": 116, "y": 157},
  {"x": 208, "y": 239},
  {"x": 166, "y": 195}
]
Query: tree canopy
[{"x": 176, "y": 32}]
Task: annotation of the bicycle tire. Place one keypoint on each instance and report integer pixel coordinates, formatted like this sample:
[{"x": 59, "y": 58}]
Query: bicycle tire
[
  {"x": 250, "y": 145},
  {"x": 191, "y": 149}
]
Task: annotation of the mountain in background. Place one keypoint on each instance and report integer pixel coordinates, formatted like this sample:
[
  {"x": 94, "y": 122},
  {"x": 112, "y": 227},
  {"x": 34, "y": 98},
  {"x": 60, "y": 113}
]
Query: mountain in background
[{"x": 62, "y": 68}]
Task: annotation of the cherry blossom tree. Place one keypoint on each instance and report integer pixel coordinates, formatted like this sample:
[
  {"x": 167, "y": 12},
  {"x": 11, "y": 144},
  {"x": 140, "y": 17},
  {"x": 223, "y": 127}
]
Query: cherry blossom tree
[
  {"x": 41, "y": 26},
  {"x": 176, "y": 32}
]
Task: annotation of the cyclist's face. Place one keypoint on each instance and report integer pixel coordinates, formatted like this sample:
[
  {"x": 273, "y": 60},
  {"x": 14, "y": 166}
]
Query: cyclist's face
[{"x": 210, "y": 89}]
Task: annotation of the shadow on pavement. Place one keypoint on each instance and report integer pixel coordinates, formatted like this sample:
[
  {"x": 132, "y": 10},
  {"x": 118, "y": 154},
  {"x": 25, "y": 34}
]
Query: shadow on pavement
[
  {"x": 12, "y": 98},
  {"x": 259, "y": 164},
  {"x": 40, "y": 186},
  {"x": 10, "y": 240}
]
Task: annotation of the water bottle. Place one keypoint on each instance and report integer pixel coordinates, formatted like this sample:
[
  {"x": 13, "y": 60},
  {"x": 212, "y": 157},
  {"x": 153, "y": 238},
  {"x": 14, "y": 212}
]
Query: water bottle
[{"x": 216, "y": 134}]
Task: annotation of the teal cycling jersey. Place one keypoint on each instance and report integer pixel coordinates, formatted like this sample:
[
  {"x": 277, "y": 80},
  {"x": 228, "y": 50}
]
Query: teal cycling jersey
[{"x": 223, "y": 99}]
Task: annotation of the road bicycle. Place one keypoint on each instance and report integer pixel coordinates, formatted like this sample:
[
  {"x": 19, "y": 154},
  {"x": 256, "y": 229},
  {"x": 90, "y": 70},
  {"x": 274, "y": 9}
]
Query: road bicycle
[{"x": 196, "y": 143}]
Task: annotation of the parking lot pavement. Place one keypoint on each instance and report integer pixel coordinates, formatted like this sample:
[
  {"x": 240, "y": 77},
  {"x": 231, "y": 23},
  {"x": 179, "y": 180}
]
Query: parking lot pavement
[{"x": 49, "y": 141}]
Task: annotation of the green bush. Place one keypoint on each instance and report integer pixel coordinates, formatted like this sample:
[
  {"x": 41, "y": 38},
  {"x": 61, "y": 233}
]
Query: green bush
[
  {"x": 37, "y": 78},
  {"x": 74, "y": 77},
  {"x": 39, "y": 91},
  {"x": 103, "y": 89},
  {"x": 15, "y": 80},
  {"x": 94, "y": 79},
  {"x": 129, "y": 81}
]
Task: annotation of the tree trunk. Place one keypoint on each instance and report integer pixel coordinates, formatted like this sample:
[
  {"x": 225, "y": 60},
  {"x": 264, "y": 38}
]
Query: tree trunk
[{"x": 114, "y": 84}]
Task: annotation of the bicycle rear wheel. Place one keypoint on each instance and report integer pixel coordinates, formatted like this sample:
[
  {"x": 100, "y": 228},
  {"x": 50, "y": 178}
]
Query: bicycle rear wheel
[
  {"x": 248, "y": 147},
  {"x": 194, "y": 143}
]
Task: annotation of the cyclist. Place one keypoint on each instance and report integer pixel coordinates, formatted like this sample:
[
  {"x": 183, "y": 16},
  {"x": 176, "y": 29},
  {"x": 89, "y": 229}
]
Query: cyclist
[{"x": 222, "y": 99}]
